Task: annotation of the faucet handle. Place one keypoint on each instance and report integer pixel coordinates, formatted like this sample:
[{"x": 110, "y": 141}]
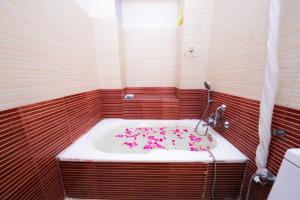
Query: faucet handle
[
  {"x": 226, "y": 124},
  {"x": 210, "y": 120}
]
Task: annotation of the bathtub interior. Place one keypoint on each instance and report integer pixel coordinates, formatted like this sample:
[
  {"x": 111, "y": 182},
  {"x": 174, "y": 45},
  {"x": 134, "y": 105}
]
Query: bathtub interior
[
  {"x": 143, "y": 137},
  {"x": 103, "y": 143}
]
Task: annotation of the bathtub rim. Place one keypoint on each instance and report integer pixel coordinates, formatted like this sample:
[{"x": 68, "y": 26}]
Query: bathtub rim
[{"x": 80, "y": 151}]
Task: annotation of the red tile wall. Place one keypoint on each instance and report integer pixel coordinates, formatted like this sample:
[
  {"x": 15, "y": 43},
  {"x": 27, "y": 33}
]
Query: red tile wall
[
  {"x": 151, "y": 103},
  {"x": 18, "y": 177},
  {"x": 192, "y": 103},
  {"x": 111, "y": 103},
  {"x": 150, "y": 180},
  {"x": 31, "y": 136},
  {"x": 243, "y": 115}
]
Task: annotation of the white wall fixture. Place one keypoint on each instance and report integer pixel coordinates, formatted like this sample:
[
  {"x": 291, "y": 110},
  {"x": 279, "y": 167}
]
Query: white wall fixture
[{"x": 190, "y": 52}]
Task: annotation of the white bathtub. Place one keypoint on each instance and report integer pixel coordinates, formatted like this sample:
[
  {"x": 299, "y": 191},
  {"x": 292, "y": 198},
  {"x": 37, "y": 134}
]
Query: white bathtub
[{"x": 106, "y": 142}]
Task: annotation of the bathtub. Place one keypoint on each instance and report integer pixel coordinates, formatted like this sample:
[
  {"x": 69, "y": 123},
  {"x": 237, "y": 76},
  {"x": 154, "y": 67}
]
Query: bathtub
[
  {"x": 150, "y": 159},
  {"x": 120, "y": 140}
]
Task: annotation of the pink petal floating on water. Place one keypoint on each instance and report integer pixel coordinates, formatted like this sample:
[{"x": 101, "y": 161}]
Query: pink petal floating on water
[
  {"x": 185, "y": 130},
  {"x": 130, "y": 144},
  {"x": 194, "y": 138},
  {"x": 177, "y": 130},
  {"x": 119, "y": 136},
  {"x": 147, "y": 147},
  {"x": 160, "y": 146},
  {"x": 151, "y": 137},
  {"x": 163, "y": 133},
  {"x": 173, "y": 140},
  {"x": 127, "y": 129},
  {"x": 179, "y": 136},
  {"x": 161, "y": 140}
]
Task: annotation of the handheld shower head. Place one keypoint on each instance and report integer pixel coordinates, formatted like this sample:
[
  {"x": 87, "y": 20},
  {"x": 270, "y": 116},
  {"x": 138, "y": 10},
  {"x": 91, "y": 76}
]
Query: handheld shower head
[{"x": 207, "y": 85}]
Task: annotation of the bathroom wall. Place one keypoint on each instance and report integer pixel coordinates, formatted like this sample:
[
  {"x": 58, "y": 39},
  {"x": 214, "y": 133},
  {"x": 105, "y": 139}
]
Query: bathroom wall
[
  {"x": 237, "y": 59},
  {"x": 98, "y": 8},
  {"x": 288, "y": 54},
  {"x": 149, "y": 33},
  {"x": 195, "y": 32},
  {"x": 237, "y": 54},
  {"x": 46, "y": 52},
  {"x": 107, "y": 43},
  {"x": 46, "y": 56}
]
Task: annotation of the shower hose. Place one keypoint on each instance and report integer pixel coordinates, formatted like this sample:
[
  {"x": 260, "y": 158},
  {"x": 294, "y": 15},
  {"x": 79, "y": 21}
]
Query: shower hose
[
  {"x": 215, "y": 174},
  {"x": 250, "y": 183},
  {"x": 196, "y": 128}
]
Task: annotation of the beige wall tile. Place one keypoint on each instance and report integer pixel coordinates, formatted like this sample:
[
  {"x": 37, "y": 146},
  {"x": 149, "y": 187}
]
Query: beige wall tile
[
  {"x": 238, "y": 50},
  {"x": 237, "y": 53},
  {"x": 43, "y": 43},
  {"x": 47, "y": 51},
  {"x": 195, "y": 32},
  {"x": 108, "y": 52},
  {"x": 289, "y": 55},
  {"x": 150, "y": 57}
]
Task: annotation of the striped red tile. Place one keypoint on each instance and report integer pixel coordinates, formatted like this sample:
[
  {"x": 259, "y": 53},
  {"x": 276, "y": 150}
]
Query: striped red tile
[
  {"x": 111, "y": 103},
  {"x": 18, "y": 172},
  {"x": 78, "y": 114},
  {"x": 243, "y": 115},
  {"x": 192, "y": 103},
  {"x": 150, "y": 180},
  {"x": 151, "y": 103},
  {"x": 47, "y": 131},
  {"x": 31, "y": 136}
]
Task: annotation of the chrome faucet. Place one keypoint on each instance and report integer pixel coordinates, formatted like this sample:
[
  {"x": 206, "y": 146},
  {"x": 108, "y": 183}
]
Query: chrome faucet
[{"x": 214, "y": 119}]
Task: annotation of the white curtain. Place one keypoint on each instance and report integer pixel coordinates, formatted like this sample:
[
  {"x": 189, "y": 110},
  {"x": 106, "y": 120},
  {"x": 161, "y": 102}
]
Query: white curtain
[{"x": 269, "y": 89}]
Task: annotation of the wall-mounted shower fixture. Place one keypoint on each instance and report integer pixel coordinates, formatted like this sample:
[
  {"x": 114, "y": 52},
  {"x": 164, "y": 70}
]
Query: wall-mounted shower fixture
[
  {"x": 128, "y": 96},
  {"x": 209, "y": 101},
  {"x": 214, "y": 119},
  {"x": 264, "y": 179},
  {"x": 278, "y": 132},
  {"x": 209, "y": 98}
]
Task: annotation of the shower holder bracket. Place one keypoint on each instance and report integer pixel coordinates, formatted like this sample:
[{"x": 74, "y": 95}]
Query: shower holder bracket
[{"x": 278, "y": 132}]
